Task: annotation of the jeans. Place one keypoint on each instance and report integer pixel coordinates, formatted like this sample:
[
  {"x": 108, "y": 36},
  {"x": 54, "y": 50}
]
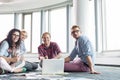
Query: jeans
[{"x": 30, "y": 66}]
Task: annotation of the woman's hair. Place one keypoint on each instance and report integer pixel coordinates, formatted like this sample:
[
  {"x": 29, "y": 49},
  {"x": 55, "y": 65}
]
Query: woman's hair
[{"x": 9, "y": 38}]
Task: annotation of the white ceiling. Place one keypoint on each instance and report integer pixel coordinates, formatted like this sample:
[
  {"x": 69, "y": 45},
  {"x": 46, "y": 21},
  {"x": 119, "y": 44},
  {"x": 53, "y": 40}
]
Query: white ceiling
[
  {"x": 11, "y": 6},
  {"x": 16, "y": 1},
  {"x": 5, "y": 1}
]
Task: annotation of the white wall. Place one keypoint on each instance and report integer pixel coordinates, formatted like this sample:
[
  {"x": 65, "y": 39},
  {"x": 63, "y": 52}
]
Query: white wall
[{"x": 85, "y": 18}]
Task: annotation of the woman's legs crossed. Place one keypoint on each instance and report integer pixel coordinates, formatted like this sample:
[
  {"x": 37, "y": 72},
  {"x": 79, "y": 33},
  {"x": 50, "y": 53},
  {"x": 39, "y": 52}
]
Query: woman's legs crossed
[{"x": 4, "y": 65}]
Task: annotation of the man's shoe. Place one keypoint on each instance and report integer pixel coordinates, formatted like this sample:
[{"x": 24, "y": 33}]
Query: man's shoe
[{"x": 1, "y": 71}]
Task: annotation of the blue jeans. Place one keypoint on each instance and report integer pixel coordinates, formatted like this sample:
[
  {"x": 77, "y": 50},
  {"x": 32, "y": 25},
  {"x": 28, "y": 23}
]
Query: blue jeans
[{"x": 30, "y": 66}]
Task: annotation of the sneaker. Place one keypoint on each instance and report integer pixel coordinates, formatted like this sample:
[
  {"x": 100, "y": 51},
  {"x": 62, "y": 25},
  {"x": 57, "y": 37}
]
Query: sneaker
[{"x": 20, "y": 70}]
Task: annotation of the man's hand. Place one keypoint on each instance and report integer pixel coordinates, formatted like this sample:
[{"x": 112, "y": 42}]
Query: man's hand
[
  {"x": 41, "y": 58},
  {"x": 90, "y": 63},
  {"x": 94, "y": 72}
]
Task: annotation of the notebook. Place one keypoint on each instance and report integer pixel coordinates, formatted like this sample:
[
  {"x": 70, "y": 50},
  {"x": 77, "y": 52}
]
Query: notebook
[{"x": 53, "y": 66}]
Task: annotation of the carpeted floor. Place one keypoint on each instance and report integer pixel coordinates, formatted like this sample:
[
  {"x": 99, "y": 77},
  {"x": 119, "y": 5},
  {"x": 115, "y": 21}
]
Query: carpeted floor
[{"x": 107, "y": 73}]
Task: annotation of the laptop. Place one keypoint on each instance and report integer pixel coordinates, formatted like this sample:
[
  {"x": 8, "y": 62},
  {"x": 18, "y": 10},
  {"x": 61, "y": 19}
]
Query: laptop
[{"x": 52, "y": 66}]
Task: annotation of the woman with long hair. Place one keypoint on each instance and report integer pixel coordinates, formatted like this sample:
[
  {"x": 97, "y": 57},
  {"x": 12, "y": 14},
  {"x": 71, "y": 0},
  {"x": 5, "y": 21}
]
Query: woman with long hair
[{"x": 10, "y": 58}]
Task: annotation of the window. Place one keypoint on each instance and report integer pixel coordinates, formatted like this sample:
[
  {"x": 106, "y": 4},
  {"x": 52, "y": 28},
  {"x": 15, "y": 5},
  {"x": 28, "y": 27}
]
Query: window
[
  {"x": 19, "y": 21},
  {"x": 112, "y": 24},
  {"x": 58, "y": 27},
  {"x": 6, "y": 23},
  {"x": 36, "y": 37},
  {"x": 27, "y": 27}
]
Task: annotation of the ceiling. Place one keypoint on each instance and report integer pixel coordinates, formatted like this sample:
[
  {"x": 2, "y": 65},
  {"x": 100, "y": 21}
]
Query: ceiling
[
  {"x": 5, "y": 1},
  {"x": 13, "y": 1},
  {"x": 11, "y": 6}
]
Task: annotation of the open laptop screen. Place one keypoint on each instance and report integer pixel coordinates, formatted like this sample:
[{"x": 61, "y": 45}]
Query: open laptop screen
[{"x": 53, "y": 66}]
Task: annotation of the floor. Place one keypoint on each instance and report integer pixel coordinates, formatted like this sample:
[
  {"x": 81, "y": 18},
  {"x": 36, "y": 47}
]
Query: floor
[
  {"x": 112, "y": 58},
  {"x": 107, "y": 72},
  {"x": 108, "y": 58}
]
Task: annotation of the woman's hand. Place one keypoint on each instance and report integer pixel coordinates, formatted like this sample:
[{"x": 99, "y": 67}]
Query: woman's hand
[{"x": 14, "y": 59}]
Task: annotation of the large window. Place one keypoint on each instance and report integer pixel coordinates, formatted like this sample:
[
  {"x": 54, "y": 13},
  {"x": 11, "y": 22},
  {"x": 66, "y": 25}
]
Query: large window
[
  {"x": 35, "y": 23},
  {"x": 53, "y": 21},
  {"x": 36, "y": 30},
  {"x": 112, "y": 24},
  {"x": 58, "y": 27},
  {"x": 6, "y": 23},
  {"x": 27, "y": 26},
  {"x": 19, "y": 21}
]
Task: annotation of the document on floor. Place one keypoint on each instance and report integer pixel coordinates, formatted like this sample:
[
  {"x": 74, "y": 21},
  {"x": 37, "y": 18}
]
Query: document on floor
[
  {"x": 55, "y": 77},
  {"x": 37, "y": 75},
  {"x": 76, "y": 78}
]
